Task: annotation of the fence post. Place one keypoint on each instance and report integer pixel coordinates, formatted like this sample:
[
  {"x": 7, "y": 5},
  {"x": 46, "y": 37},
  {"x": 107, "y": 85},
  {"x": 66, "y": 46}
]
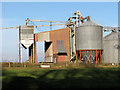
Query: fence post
[{"x": 9, "y": 64}]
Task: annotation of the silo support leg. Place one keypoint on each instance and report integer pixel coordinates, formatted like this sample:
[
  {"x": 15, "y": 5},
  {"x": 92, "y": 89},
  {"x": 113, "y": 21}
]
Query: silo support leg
[
  {"x": 103, "y": 57},
  {"x": 100, "y": 57},
  {"x": 85, "y": 56},
  {"x": 76, "y": 57},
  {"x": 91, "y": 56},
  {"x": 96, "y": 56},
  {"x": 80, "y": 55}
]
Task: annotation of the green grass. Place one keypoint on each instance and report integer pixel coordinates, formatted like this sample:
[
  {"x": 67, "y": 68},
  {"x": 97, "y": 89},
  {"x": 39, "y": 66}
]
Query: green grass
[{"x": 90, "y": 77}]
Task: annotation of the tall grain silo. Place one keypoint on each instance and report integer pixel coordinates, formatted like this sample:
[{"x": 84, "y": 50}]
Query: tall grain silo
[
  {"x": 112, "y": 48},
  {"x": 89, "y": 42}
]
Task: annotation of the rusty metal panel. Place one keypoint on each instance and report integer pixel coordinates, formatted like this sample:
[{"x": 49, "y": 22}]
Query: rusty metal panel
[
  {"x": 43, "y": 36},
  {"x": 60, "y": 46},
  {"x": 26, "y": 35},
  {"x": 61, "y": 34},
  {"x": 36, "y": 37}
]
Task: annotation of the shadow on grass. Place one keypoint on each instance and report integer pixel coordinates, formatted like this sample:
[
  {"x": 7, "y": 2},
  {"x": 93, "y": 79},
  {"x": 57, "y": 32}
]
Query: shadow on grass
[{"x": 64, "y": 78}]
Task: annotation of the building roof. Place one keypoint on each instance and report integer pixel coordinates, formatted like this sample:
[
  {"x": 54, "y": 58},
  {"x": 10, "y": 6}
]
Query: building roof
[{"x": 55, "y": 30}]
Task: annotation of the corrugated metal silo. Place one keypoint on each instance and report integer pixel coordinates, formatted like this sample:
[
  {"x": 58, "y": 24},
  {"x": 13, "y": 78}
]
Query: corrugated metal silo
[
  {"x": 111, "y": 48},
  {"x": 26, "y": 35},
  {"x": 26, "y": 39},
  {"x": 89, "y": 41}
]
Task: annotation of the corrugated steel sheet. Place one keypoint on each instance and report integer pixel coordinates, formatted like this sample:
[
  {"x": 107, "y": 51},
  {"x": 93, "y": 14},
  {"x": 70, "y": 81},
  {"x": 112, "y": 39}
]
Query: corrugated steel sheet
[
  {"x": 60, "y": 46},
  {"x": 89, "y": 36},
  {"x": 26, "y": 35},
  {"x": 111, "y": 48},
  {"x": 43, "y": 36},
  {"x": 61, "y": 34},
  {"x": 60, "y": 43}
]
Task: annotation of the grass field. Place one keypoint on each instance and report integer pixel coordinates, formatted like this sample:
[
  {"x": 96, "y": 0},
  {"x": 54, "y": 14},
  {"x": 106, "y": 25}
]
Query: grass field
[{"x": 87, "y": 77}]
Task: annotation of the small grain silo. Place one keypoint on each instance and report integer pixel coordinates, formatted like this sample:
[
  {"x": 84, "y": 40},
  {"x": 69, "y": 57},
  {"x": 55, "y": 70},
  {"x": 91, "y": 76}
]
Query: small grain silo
[
  {"x": 26, "y": 40},
  {"x": 112, "y": 48},
  {"x": 89, "y": 42}
]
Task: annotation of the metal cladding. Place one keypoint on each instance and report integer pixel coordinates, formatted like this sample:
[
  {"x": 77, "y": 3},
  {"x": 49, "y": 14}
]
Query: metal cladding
[
  {"x": 89, "y": 36},
  {"x": 111, "y": 48},
  {"x": 43, "y": 36},
  {"x": 61, "y": 44},
  {"x": 26, "y": 35},
  {"x": 57, "y": 45}
]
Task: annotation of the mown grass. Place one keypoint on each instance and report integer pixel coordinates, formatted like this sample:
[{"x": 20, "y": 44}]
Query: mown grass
[{"x": 88, "y": 77}]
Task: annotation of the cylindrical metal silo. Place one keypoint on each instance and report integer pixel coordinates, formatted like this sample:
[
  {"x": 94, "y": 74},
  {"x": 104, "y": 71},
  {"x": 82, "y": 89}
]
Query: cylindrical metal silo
[{"x": 89, "y": 41}]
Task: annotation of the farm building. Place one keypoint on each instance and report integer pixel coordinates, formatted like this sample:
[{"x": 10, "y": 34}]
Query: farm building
[{"x": 57, "y": 45}]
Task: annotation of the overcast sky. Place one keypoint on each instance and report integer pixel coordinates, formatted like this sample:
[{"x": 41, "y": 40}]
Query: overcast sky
[{"x": 14, "y": 14}]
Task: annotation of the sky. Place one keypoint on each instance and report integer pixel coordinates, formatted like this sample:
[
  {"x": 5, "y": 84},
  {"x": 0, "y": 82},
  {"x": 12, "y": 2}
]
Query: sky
[{"x": 15, "y": 13}]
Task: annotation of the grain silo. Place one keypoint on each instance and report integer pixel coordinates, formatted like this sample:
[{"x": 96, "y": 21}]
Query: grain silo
[
  {"x": 26, "y": 40},
  {"x": 89, "y": 42},
  {"x": 112, "y": 48}
]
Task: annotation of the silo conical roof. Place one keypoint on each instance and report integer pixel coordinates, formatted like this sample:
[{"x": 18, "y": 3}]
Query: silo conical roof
[
  {"x": 89, "y": 23},
  {"x": 112, "y": 36}
]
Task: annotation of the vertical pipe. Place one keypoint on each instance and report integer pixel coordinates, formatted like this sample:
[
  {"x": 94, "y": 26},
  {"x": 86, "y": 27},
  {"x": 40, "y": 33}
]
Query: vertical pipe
[
  {"x": 103, "y": 56},
  {"x": 33, "y": 50},
  {"x": 29, "y": 54},
  {"x": 76, "y": 56},
  {"x": 96, "y": 56},
  {"x": 76, "y": 20},
  {"x": 35, "y": 53},
  {"x": 91, "y": 56},
  {"x": 20, "y": 50},
  {"x": 85, "y": 56},
  {"x": 80, "y": 55},
  {"x": 70, "y": 43},
  {"x": 100, "y": 57},
  {"x": 21, "y": 53}
]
